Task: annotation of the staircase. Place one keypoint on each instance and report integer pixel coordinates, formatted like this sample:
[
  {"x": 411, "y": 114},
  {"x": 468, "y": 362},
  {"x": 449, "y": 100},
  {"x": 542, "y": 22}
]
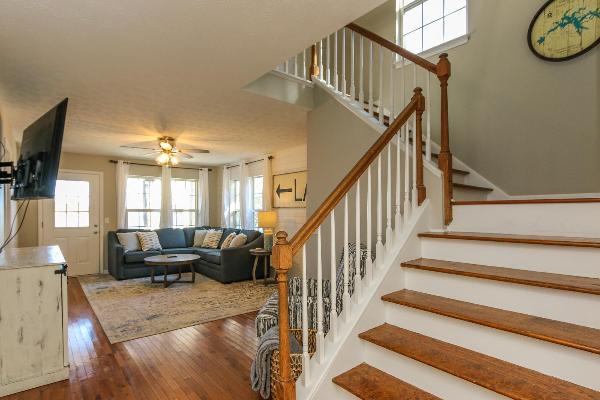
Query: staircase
[{"x": 468, "y": 297}]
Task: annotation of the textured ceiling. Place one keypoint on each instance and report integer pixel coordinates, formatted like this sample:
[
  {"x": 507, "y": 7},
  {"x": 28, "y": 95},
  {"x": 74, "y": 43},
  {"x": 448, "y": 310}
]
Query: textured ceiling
[{"x": 136, "y": 69}]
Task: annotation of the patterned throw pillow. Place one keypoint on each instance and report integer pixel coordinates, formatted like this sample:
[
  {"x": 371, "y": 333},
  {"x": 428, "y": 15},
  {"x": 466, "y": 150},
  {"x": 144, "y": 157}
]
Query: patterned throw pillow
[
  {"x": 212, "y": 238},
  {"x": 129, "y": 240},
  {"x": 199, "y": 236},
  {"x": 238, "y": 240},
  {"x": 149, "y": 241},
  {"x": 226, "y": 243}
]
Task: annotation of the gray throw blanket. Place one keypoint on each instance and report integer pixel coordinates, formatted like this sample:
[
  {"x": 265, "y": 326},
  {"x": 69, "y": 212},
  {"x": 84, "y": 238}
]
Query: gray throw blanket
[{"x": 260, "y": 372}]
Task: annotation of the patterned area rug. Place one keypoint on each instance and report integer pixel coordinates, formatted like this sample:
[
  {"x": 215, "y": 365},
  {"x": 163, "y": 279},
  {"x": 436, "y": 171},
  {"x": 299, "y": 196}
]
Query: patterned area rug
[{"x": 136, "y": 308}]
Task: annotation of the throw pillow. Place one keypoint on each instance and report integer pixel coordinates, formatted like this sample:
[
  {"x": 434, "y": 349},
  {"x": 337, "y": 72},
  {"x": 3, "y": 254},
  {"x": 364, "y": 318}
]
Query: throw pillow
[
  {"x": 199, "y": 236},
  {"x": 129, "y": 240},
  {"x": 149, "y": 241},
  {"x": 238, "y": 241},
  {"x": 212, "y": 238},
  {"x": 227, "y": 240}
]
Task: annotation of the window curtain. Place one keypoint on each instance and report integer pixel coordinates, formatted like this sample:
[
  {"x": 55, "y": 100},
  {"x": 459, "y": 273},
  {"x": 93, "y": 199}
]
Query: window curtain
[
  {"x": 267, "y": 183},
  {"x": 122, "y": 173},
  {"x": 202, "y": 198},
  {"x": 246, "y": 206},
  {"x": 166, "y": 215},
  {"x": 225, "y": 198}
]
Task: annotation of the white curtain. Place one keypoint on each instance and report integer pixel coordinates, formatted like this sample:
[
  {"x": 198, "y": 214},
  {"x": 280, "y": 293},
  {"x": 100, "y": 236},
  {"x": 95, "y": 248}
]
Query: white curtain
[
  {"x": 166, "y": 216},
  {"x": 267, "y": 183},
  {"x": 225, "y": 197},
  {"x": 122, "y": 173},
  {"x": 246, "y": 206},
  {"x": 202, "y": 198}
]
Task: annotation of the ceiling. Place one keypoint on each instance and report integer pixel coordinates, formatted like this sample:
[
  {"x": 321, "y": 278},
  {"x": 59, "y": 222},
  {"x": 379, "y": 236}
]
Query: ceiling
[{"x": 138, "y": 69}]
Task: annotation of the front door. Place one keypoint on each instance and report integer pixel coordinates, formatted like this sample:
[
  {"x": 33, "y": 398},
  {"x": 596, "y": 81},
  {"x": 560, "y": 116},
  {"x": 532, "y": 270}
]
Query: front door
[{"x": 71, "y": 220}]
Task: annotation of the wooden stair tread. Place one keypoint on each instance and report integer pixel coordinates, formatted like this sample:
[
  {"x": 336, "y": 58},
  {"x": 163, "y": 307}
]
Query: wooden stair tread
[
  {"x": 532, "y": 278},
  {"x": 528, "y": 201},
  {"x": 563, "y": 333},
  {"x": 369, "y": 383},
  {"x": 494, "y": 374},
  {"x": 513, "y": 238},
  {"x": 473, "y": 187}
]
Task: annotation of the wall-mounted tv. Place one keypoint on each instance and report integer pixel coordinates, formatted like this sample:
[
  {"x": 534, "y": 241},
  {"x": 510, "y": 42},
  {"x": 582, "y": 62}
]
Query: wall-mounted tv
[{"x": 37, "y": 167}]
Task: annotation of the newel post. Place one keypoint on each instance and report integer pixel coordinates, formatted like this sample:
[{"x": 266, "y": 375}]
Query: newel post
[
  {"x": 281, "y": 260},
  {"x": 421, "y": 190},
  {"x": 445, "y": 157},
  {"x": 314, "y": 63}
]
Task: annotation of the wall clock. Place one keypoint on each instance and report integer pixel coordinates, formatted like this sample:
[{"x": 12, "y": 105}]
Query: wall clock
[{"x": 565, "y": 29}]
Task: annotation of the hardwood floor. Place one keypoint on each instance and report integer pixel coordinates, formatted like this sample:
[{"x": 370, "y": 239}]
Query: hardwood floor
[{"x": 208, "y": 361}]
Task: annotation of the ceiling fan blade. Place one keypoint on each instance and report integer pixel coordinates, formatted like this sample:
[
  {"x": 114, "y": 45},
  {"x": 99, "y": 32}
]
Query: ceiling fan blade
[
  {"x": 150, "y": 154},
  {"x": 196, "y": 150},
  {"x": 184, "y": 155},
  {"x": 147, "y": 143},
  {"x": 139, "y": 147}
]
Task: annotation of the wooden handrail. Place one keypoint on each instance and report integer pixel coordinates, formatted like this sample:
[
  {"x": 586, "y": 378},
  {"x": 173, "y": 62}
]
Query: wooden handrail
[
  {"x": 315, "y": 220},
  {"x": 428, "y": 65}
]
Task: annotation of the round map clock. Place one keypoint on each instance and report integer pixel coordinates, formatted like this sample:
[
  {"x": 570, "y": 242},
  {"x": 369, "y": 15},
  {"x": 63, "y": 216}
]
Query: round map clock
[{"x": 565, "y": 29}]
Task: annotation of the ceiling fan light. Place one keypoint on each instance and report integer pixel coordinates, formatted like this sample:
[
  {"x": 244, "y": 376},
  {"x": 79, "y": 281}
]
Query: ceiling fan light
[
  {"x": 162, "y": 158},
  {"x": 165, "y": 145},
  {"x": 174, "y": 160}
]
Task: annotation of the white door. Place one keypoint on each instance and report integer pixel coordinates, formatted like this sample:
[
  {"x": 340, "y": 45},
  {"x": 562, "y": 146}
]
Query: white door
[{"x": 71, "y": 220}]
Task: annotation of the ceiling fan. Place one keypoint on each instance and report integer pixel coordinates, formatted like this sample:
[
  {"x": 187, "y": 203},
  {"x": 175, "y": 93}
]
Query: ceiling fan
[{"x": 166, "y": 150}]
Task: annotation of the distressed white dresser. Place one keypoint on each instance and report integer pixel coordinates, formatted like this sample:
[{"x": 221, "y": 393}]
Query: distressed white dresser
[{"x": 33, "y": 318}]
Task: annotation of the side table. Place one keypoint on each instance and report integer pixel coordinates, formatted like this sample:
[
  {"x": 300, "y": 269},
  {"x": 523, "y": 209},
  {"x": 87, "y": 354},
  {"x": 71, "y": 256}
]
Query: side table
[{"x": 266, "y": 256}]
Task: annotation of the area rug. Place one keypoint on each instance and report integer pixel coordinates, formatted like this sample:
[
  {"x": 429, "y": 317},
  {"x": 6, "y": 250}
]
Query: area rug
[{"x": 136, "y": 308}]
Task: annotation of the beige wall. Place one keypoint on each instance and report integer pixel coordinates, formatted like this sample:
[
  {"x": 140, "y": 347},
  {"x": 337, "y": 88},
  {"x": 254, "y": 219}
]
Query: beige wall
[{"x": 529, "y": 126}]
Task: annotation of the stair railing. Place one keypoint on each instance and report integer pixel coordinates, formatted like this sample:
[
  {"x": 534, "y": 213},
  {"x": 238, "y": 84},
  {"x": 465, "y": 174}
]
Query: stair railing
[
  {"x": 405, "y": 184},
  {"x": 354, "y": 62}
]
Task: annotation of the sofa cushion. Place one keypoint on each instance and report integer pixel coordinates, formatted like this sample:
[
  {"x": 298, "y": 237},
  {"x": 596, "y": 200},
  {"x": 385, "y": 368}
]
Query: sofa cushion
[
  {"x": 171, "y": 237},
  {"x": 226, "y": 232},
  {"x": 210, "y": 255},
  {"x": 212, "y": 239},
  {"x": 251, "y": 234},
  {"x": 188, "y": 233},
  {"x": 238, "y": 241},
  {"x": 149, "y": 241},
  {"x": 129, "y": 241},
  {"x": 179, "y": 250},
  {"x": 132, "y": 257}
]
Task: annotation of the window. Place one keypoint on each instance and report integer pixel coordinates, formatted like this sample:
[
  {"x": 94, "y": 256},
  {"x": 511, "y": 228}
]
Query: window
[
  {"x": 235, "y": 220},
  {"x": 183, "y": 202},
  {"x": 143, "y": 202},
  {"x": 72, "y": 204},
  {"x": 425, "y": 24},
  {"x": 257, "y": 197}
]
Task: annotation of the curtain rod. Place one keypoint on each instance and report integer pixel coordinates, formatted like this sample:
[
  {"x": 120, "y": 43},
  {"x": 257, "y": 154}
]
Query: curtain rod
[
  {"x": 249, "y": 162},
  {"x": 155, "y": 165}
]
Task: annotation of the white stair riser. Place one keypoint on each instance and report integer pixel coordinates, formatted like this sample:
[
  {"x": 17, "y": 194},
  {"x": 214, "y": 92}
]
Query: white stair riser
[
  {"x": 459, "y": 193},
  {"x": 570, "y": 364},
  {"x": 578, "y": 261},
  {"x": 429, "y": 379},
  {"x": 566, "y": 219},
  {"x": 560, "y": 305}
]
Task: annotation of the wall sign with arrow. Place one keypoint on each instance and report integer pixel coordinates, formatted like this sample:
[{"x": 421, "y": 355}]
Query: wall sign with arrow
[{"x": 289, "y": 190}]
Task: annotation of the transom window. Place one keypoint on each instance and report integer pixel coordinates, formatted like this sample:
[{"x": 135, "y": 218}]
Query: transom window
[
  {"x": 425, "y": 24},
  {"x": 143, "y": 202},
  {"x": 183, "y": 202},
  {"x": 72, "y": 204}
]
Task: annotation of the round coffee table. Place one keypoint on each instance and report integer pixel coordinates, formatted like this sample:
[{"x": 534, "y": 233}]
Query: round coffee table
[{"x": 168, "y": 260}]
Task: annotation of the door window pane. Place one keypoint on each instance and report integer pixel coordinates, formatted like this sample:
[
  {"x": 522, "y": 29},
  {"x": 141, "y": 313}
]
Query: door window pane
[{"x": 72, "y": 204}]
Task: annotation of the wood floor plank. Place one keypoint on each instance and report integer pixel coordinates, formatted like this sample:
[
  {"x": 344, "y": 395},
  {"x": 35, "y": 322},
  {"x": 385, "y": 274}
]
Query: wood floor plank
[
  {"x": 369, "y": 383},
  {"x": 563, "y": 333},
  {"x": 511, "y": 238},
  {"x": 504, "y": 274},
  {"x": 502, "y": 377}
]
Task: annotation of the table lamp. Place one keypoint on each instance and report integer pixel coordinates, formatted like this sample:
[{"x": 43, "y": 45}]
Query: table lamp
[{"x": 267, "y": 220}]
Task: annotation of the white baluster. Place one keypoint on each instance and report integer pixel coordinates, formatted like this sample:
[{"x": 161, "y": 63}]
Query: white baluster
[
  {"x": 296, "y": 66},
  {"x": 346, "y": 262},
  {"x": 286, "y": 67},
  {"x": 379, "y": 247},
  {"x": 321, "y": 73},
  {"x": 305, "y": 356},
  {"x": 428, "y": 116},
  {"x": 388, "y": 202},
  {"x": 335, "y": 62},
  {"x": 343, "y": 88},
  {"x": 369, "y": 266},
  {"x": 357, "y": 277},
  {"x": 414, "y": 166},
  {"x": 320, "y": 334},
  {"x": 329, "y": 59},
  {"x": 371, "y": 65},
  {"x": 304, "y": 64},
  {"x": 380, "y": 107},
  {"x": 352, "y": 85},
  {"x": 392, "y": 91},
  {"x": 398, "y": 216},
  {"x": 361, "y": 71},
  {"x": 407, "y": 208},
  {"x": 333, "y": 282}
]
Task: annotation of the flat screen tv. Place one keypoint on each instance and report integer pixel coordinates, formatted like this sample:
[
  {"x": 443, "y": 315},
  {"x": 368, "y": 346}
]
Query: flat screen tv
[{"x": 37, "y": 167}]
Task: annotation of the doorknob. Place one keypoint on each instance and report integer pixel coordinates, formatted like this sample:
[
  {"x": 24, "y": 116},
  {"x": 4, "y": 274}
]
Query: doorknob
[
  {"x": 95, "y": 226},
  {"x": 95, "y": 232}
]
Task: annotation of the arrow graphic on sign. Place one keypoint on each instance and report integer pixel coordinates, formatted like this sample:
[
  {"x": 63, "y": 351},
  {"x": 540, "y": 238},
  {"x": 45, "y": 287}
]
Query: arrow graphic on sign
[{"x": 280, "y": 190}]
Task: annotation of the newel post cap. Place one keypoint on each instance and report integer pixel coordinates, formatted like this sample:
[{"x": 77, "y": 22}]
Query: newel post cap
[
  {"x": 443, "y": 66},
  {"x": 282, "y": 252}
]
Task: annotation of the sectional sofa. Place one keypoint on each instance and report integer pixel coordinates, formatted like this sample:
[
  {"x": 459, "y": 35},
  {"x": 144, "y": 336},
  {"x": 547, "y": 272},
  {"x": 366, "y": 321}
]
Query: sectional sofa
[{"x": 225, "y": 265}]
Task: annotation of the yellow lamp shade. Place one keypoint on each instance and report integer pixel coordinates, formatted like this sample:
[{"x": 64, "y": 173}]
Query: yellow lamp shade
[{"x": 267, "y": 219}]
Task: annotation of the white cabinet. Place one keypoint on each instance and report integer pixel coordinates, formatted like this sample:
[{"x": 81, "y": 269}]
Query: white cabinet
[{"x": 33, "y": 318}]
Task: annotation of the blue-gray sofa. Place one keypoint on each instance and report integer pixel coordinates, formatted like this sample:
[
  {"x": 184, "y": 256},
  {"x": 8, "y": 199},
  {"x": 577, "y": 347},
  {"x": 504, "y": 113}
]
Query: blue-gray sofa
[{"x": 225, "y": 265}]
